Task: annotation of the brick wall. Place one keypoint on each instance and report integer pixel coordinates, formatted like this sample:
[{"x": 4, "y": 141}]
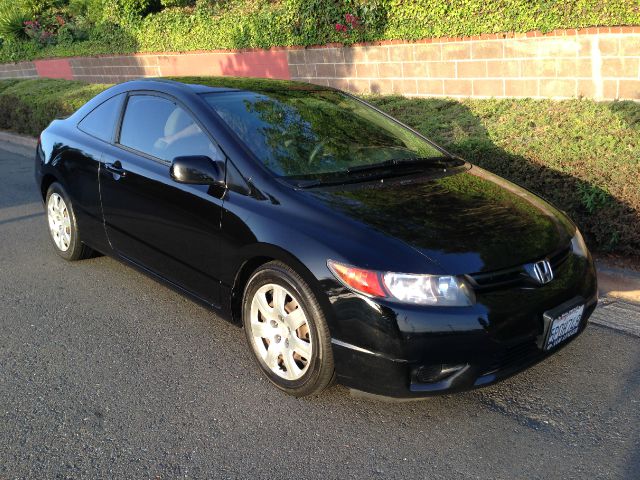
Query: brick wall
[
  {"x": 599, "y": 63},
  {"x": 18, "y": 70},
  {"x": 567, "y": 64},
  {"x": 255, "y": 63}
]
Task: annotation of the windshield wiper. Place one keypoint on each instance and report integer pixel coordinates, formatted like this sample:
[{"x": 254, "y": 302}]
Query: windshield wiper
[
  {"x": 423, "y": 161},
  {"x": 341, "y": 178}
]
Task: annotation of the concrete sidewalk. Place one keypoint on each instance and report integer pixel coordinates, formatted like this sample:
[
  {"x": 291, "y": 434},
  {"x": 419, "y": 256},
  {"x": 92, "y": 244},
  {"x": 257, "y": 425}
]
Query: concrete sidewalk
[
  {"x": 619, "y": 283},
  {"x": 613, "y": 283}
]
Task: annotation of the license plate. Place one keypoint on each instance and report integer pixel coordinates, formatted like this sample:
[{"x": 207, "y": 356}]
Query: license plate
[{"x": 564, "y": 326}]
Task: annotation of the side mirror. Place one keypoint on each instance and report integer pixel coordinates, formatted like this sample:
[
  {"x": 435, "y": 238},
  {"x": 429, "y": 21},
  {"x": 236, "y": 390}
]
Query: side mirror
[{"x": 197, "y": 169}]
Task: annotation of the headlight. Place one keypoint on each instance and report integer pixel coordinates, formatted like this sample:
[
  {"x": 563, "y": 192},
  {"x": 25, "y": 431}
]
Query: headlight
[
  {"x": 428, "y": 289},
  {"x": 441, "y": 290},
  {"x": 578, "y": 246}
]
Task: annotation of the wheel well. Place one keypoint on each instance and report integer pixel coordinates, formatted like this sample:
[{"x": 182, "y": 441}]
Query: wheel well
[
  {"x": 254, "y": 263},
  {"x": 240, "y": 283},
  {"x": 47, "y": 180}
]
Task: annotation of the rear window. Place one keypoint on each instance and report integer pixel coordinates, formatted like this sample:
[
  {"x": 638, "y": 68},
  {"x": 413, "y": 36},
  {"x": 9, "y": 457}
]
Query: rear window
[{"x": 101, "y": 122}]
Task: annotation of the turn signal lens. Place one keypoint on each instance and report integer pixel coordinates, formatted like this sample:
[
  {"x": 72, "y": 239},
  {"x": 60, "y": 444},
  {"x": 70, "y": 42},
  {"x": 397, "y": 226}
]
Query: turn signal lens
[{"x": 363, "y": 281}]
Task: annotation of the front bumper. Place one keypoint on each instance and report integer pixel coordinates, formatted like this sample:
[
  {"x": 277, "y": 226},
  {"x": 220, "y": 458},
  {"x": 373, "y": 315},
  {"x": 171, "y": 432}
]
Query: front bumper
[{"x": 396, "y": 350}]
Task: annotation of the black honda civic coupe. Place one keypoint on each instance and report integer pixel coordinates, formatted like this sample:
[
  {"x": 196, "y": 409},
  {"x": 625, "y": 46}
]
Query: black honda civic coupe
[{"x": 347, "y": 245}]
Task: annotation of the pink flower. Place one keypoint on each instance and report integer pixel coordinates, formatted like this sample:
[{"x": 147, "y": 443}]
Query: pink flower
[{"x": 351, "y": 19}]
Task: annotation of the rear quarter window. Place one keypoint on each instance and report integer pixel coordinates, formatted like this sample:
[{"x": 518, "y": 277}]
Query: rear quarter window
[{"x": 101, "y": 121}]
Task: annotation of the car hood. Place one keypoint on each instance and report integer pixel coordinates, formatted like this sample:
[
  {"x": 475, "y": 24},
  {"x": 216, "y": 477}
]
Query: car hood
[{"x": 467, "y": 222}]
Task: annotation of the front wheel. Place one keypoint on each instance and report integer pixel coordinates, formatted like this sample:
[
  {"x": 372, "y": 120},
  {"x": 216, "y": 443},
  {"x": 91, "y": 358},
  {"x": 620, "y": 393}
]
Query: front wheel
[{"x": 287, "y": 331}]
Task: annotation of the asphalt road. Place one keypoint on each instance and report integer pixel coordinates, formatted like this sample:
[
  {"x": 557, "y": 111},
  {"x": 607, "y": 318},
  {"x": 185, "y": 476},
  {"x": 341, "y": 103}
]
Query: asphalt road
[{"x": 105, "y": 373}]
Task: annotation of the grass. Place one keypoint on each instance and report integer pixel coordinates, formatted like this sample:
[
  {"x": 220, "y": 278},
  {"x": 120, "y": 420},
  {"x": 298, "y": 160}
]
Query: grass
[{"x": 583, "y": 156}]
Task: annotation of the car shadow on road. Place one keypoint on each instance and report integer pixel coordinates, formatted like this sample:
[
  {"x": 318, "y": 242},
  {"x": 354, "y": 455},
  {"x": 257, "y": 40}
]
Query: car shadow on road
[
  {"x": 20, "y": 218},
  {"x": 17, "y": 185}
]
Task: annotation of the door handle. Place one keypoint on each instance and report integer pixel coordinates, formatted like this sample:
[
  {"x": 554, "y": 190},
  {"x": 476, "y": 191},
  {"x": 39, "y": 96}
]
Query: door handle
[{"x": 116, "y": 168}]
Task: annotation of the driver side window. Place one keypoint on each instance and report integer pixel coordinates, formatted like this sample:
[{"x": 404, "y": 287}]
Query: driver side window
[{"x": 160, "y": 128}]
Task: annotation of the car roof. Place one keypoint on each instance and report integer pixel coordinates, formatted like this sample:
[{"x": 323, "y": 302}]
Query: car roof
[
  {"x": 227, "y": 84},
  {"x": 189, "y": 86}
]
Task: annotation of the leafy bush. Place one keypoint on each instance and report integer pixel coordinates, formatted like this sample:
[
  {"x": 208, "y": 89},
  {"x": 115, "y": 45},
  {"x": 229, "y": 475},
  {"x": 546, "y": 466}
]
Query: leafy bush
[
  {"x": 28, "y": 106},
  {"x": 128, "y": 10},
  {"x": 43, "y": 23},
  {"x": 77, "y": 31},
  {"x": 413, "y": 19},
  {"x": 582, "y": 155},
  {"x": 33, "y": 8},
  {"x": 237, "y": 23},
  {"x": 177, "y": 3},
  {"x": 15, "y": 51},
  {"x": 42, "y": 33},
  {"x": 12, "y": 23},
  {"x": 92, "y": 11},
  {"x": 214, "y": 24}
]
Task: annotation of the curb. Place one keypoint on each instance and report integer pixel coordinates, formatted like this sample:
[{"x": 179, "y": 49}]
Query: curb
[
  {"x": 613, "y": 283},
  {"x": 18, "y": 144},
  {"x": 618, "y": 283},
  {"x": 604, "y": 267},
  {"x": 18, "y": 140},
  {"x": 617, "y": 315}
]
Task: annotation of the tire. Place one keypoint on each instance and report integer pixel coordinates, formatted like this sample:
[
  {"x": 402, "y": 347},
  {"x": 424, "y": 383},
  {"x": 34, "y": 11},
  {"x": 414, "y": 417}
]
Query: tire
[
  {"x": 302, "y": 329},
  {"x": 62, "y": 225}
]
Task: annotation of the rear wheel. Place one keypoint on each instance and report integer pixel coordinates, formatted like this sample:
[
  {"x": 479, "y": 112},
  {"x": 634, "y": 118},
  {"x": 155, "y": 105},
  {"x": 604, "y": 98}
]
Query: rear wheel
[
  {"x": 63, "y": 228},
  {"x": 287, "y": 331}
]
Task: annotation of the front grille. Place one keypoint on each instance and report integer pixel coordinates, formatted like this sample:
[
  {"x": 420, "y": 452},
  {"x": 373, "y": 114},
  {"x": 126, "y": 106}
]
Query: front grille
[
  {"x": 515, "y": 276},
  {"x": 558, "y": 258},
  {"x": 515, "y": 355}
]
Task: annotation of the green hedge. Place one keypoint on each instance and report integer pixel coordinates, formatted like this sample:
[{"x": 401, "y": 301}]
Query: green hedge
[
  {"x": 28, "y": 106},
  {"x": 124, "y": 26},
  {"x": 582, "y": 155}
]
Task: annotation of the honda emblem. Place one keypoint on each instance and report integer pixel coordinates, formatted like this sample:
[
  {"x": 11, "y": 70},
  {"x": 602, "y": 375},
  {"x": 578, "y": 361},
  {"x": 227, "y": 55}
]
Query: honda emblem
[{"x": 540, "y": 271}]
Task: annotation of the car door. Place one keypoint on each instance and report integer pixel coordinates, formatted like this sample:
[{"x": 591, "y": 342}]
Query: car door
[{"x": 169, "y": 228}]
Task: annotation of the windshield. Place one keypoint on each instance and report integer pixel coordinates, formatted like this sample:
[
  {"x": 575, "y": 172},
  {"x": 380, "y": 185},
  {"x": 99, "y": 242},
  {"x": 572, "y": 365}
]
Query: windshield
[{"x": 306, "y": 134}]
